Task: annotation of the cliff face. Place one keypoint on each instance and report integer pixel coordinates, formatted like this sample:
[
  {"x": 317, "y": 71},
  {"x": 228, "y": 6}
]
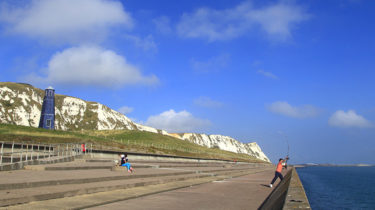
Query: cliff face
[
  {"x": 21, "y": 104},
  {"x": 225, "y": 143}
]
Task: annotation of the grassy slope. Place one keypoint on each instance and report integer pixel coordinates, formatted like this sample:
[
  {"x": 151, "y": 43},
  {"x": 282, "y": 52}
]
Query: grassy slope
[{"x": 119, "y": 140}]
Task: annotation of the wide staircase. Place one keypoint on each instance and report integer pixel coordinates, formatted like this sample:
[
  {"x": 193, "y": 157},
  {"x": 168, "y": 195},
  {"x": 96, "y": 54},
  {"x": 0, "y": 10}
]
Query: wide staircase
[{"x": 93, "y": 181}]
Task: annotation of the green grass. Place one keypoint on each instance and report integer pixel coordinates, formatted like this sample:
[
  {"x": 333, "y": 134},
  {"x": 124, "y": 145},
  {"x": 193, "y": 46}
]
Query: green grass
[{"x": 119, "y": 140}]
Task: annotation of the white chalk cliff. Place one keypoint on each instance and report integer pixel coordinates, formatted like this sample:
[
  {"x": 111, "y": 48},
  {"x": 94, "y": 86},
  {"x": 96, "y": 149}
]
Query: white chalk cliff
[{"x": 21, "y": 104}]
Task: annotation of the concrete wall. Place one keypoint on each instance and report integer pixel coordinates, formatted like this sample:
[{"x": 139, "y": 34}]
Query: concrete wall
[
  {"x": 21, "y": 165},
  {"x": 296, "y": 196},
  {"x": 289, "y": 194},
  {"x": 110, "y": 154}
]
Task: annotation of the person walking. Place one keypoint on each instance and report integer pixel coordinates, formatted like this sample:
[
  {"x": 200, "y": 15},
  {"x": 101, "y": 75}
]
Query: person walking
[{"x": 279, "y": 168}]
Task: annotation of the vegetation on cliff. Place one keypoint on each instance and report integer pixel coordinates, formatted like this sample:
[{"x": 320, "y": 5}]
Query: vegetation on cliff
[{"x": 120, "y": 140}]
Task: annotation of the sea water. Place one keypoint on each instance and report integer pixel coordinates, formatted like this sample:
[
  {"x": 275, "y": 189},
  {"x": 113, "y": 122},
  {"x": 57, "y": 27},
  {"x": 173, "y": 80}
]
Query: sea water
[{"x": 339, "y": 187}]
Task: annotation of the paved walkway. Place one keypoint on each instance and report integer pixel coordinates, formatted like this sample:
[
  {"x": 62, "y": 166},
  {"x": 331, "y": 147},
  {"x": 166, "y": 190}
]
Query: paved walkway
[
  {"x": 246, "y": 192},
  {"x": 162, "y": 185}
]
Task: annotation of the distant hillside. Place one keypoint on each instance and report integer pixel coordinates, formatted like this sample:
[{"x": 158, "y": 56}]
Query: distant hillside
[{"x": 20, "y": 104}]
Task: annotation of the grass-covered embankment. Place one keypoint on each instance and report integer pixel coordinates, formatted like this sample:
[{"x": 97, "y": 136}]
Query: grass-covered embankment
[{"x": 119, "y": 140}]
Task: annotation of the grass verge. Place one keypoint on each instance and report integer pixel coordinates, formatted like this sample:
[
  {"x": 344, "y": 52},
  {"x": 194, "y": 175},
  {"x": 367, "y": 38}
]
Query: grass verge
[{"x": 120, "y": 140}]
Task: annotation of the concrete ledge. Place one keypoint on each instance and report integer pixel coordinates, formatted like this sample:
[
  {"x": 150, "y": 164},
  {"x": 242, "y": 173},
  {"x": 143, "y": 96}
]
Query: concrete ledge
[
  {"x": 63, "y": 168},
  {"x": 296, "y": 198},
  {"x": 110, "y": 178},
  {"x": 277, "y": 197},
  {"x": 85, "y": 180},
  {"x": 70, "y": 193},
  {"x": 35, "y": 167},
  {"x": 119, "y": 168},
  {"x": 110, "y": 154},
  {"x": 289, "y": 194},
  {"x": 123, "y": 168},
  {"x": 21, "y": 165}
]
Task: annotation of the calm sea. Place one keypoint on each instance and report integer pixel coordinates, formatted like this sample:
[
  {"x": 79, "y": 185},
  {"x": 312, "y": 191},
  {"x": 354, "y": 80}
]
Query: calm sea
[{"x": 339, "y": 187}]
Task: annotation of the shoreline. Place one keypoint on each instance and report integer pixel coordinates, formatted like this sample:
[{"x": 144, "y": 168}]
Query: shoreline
[{"x": 332, "y": 165}]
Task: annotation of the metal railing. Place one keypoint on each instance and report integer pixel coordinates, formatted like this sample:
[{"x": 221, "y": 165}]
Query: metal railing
[{"x": 12, "y": 152}]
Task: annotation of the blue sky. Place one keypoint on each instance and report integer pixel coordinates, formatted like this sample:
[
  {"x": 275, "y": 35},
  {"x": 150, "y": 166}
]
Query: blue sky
[{"x": 273, "y": 72}]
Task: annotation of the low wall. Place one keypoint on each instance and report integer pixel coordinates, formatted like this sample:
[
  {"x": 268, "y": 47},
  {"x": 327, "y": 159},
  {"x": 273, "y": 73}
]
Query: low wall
[
  {"x": 289, "y": 194},
  {"x": 21, "y": 165},
  {"x": 110, "y": 154}
]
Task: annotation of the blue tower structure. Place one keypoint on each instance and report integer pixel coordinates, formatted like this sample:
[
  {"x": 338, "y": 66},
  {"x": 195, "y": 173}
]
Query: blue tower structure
[{"x": 47, "y": 117}]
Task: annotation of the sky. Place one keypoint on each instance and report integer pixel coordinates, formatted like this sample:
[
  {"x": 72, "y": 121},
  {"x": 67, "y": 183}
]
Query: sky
[{"x": 284, "y": 73}]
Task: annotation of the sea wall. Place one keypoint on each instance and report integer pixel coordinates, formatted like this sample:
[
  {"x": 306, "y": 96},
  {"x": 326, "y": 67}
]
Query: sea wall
[{"x": 289, "y": 194}]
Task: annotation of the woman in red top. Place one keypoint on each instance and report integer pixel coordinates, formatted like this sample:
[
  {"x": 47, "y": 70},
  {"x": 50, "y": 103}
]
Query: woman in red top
[{"x": 279, "y": 168}]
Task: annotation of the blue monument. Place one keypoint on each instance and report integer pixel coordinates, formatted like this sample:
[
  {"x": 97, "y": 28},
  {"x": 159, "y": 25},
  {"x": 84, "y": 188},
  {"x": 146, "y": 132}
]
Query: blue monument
[{"x": 47, "y": 117}]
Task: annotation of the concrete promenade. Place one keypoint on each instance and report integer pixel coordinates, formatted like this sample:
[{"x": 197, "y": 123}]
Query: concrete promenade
[
  {"x": 94, "y": 183},
  {"x": 245, "y": 192}
]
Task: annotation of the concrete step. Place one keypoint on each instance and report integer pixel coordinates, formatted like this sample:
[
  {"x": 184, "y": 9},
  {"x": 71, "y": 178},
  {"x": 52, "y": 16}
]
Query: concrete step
[
  {"x": 64, "y": 168},
  {"x": 50, "y": 160},
  {"x": 86, "y": 176},
  {"x": 17, "y": 196},
  {"x": 83, "y": 179},
  {"x": 13, "y": 196},
  {"x": 8, "y": 159},
  {"x": 159, "y": 162},
  {"x": 124, "y": 192},
  {"x": 82, "y": 165},
  {"x": 50, "y": 178}
]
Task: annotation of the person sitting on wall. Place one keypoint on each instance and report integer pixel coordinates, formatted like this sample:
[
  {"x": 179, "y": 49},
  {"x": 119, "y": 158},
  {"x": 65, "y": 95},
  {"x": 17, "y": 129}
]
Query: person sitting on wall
[
  {"x": 125, "y": 162},
  {"x": 279, "y": 168}
]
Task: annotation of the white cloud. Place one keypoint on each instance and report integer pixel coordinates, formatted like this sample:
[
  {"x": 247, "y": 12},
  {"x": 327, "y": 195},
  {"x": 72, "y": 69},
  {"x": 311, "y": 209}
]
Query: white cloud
[
  {"x": 73, "y": 21},
  {"x": 177, "y": 122},
  {"x": 211, "y": 65},
  {"x": 147, "y": 43},
  {"x": 207, "y": 102},
  {"x": 276, "y": 20},
  {"x": 92, "y": 66},
  {"x": 348, "y": 119},
  {"x": 125, "y": 110},
  {"x": 284, "y": 108},
  {"x": 163, "y": 24},
  {"x": 267, "y": 74}
]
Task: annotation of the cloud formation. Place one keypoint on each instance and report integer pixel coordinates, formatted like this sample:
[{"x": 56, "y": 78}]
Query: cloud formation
[
  {"x": 93, "y": 66},
  {"x": 177, "y": 122},
  {"x": 125, "y": 110},
  {"x": 73, "y": 21},
  {"x": 267, "y": 74},
  {"x": 348, "y": 119},
  {"x": 276, "y": 20},
  {"x": 213, "y": 64},
  {"x": 163, "y": 24},
  {"x": 284, "y": 108},
  {"x": 207, "y": 102},
  {"x": 147, "y": 43}
]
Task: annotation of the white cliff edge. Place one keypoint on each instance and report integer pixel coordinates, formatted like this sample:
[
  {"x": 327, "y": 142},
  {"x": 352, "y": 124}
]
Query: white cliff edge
[{"x": 22, "y": 106}]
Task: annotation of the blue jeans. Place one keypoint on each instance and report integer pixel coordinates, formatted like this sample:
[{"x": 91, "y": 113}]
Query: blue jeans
[{"x": 277, "y": 174}]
